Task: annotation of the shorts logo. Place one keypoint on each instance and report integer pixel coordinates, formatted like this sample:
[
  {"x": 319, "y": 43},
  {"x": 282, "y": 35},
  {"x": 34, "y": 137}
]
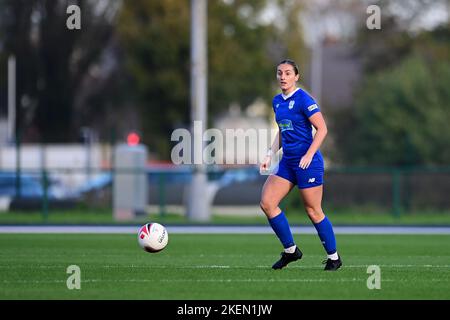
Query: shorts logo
[
  {"x": 285, "y": 124},
  {"x": 312, "y": 107},
  {"x": 291, "y": 104},
  {"x": 311, "y": 180}
]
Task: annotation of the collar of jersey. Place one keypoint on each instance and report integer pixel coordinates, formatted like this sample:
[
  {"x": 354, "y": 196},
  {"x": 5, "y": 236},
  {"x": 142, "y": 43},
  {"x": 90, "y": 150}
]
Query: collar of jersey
[{"x": 289, "y": 95}]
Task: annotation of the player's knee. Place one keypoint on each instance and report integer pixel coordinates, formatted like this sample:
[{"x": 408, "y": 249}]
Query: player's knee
[
  {"x": 314, "y": 213},
  {"x": 267, "y": 206},
  {"x": 263, "y": 205}
]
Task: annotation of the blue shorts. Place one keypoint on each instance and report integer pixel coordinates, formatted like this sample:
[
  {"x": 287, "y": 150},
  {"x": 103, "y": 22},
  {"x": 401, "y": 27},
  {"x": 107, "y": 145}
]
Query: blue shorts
[{"x": 289, "y": 169}]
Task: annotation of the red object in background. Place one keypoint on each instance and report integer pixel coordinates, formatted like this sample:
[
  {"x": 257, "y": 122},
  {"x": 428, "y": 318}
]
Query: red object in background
[{"x": 133, "y": 139}]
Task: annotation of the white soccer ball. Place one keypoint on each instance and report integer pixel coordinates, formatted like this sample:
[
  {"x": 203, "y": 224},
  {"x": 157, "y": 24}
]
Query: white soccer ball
[{"x": 153, "y": 237}]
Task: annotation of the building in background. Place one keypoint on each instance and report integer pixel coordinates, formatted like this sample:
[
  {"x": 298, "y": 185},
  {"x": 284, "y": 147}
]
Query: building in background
[
  {"x": 334, "y": 69},
  {"x": 243, "y": 124}
]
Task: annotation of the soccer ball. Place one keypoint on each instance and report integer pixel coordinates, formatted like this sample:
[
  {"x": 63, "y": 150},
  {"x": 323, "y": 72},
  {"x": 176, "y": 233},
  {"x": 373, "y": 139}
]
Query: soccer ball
[{"x": 153, "y": 237}]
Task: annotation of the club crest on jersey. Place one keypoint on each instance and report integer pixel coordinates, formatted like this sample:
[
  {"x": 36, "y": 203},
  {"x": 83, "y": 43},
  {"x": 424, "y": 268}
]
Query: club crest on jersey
[{"x": 291, "y": 104}]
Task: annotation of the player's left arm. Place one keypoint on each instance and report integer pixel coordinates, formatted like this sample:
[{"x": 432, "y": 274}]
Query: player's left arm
[{"x": 319, "y": 124}]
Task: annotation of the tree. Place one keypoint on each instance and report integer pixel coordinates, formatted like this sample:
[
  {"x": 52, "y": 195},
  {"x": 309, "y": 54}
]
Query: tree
[
  {"x": 401, "y": 26},
  {"x": 137, "y": 66},
  {"x": 52, "y": 61},
  {"x": 155, "y": 36},
  {"x": 401, "y": 116}
]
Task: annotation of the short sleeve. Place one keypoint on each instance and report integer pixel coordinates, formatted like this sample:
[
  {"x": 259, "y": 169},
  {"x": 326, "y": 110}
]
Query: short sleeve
[
  {"x": 309, "y": 106},
  {"x": 273, "y": 103}
]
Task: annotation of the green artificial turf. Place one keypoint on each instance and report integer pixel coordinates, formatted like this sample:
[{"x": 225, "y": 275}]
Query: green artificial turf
[{"x": 212, "y": 266}]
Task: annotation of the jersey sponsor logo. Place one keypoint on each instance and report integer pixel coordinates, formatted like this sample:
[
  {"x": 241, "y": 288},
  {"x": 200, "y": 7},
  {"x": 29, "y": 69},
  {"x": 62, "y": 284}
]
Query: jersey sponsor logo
[
  {"x": 291, "y": 104},
  {"x": 311, "y": 180},
  {"x": 285, "y": 124},
  {"x": 312, "y": 107}
]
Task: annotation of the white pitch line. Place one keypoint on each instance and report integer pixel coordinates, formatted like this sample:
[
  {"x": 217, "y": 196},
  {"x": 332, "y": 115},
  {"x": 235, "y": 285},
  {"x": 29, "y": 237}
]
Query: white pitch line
[
  {"x": 218, "y": 266},
  {"x": 415, "y": 280},
  {"x": 225, "y": 229},
  {"x": 269, "y": 280},
  {"x": 193, "y": 280}
]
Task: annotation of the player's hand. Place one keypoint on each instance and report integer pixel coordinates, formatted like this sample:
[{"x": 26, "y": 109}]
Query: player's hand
[
  {"x": 305, "y": 161},
  {"x": 265, "y": 165}
]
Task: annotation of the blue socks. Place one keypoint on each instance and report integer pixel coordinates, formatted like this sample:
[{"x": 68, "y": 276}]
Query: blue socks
[
  {"x": 324, "y": 229},
  {"x": 281, "y": 227},
  {"x": 326, "y": 235}
]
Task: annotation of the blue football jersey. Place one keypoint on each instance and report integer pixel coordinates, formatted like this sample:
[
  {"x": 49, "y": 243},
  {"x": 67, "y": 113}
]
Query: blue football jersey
[{"x": 292, "y": 116}]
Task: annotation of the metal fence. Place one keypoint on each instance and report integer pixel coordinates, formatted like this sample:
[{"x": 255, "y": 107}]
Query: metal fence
[{"x": 398, "y": 190}]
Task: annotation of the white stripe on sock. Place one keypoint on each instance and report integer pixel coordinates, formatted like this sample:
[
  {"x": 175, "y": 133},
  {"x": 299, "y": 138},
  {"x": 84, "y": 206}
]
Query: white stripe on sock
[
  {"x": 333, "y": 256},
  {"x": 290, "y": 249}
]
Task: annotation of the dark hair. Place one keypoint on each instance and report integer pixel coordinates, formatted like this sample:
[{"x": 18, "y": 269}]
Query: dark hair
[{"x": 290, "y": 62}]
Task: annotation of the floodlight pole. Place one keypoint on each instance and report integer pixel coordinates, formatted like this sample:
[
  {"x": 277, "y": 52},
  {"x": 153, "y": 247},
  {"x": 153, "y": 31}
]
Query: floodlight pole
[
  {"x": 198, "y": 206},
  {"x": 11, "y": 99},
  {"x": 13, "y": 132}
]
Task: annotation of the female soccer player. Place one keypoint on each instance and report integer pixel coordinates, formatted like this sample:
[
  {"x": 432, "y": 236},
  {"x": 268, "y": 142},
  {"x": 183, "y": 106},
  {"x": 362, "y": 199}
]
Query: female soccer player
[{"x": 302, "y": 165}]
